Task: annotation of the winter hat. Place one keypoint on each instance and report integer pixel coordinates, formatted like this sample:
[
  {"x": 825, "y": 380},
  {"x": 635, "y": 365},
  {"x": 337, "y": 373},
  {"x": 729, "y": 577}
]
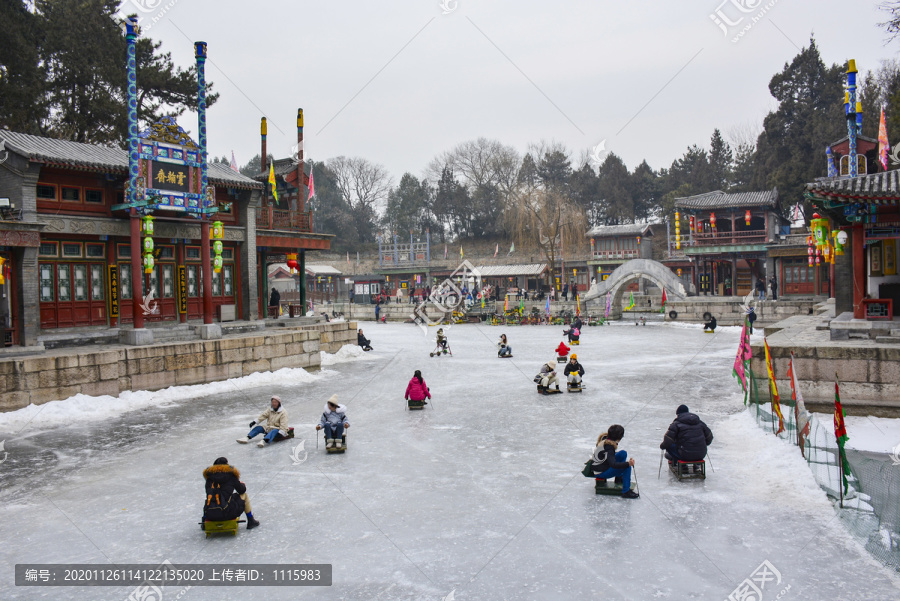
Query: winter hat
[
  {"x": 574, "y": 356},
  {"x": 681, "y": 409},
  {"x": 275, "y": 397},
  {"x": 333, "y": 400}
]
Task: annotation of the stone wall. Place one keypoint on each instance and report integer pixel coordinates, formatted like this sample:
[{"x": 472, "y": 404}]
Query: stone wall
[
  {"x": 729, "y": 311},
  {"x": 94, "y": 372}
]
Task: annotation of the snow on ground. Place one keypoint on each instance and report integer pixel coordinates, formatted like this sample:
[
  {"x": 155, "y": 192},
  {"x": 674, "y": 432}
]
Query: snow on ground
[
  {"x": 871, "y": 434},
  {"x": 348, "y": 352},
  {"x": 480, "y": 494}
]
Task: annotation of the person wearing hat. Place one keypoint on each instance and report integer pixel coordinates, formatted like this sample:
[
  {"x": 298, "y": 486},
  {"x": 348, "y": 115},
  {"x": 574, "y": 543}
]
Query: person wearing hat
[
  {"x": 686, "y": 438},
  {"x": 574, "y": 371},
  {"x": 546, "y": 377},
  {"x": 226, "y": 495},
  {"x": 333, "y": 420},
  {"x": 271, "y": 422}
]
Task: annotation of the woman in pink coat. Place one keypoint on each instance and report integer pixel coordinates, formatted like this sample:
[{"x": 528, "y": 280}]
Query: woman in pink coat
[{"x": 417, "y": 390}]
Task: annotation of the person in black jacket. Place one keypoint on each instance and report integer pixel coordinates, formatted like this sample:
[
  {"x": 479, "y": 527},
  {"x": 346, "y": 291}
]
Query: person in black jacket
[
  {"x": 711, "y": 324},
  {"x": 574, "y": 370},
  {"x": 274, "y": 298},
  {"x": 609, "y": 462},
  {"x": 687, "y": 437},
  {"x": 362, "y": 341},
  {"x": 226, "y": 495}
]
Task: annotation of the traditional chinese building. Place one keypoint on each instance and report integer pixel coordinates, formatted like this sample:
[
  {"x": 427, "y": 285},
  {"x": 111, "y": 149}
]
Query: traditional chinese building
[
  {"x": 613, "y": 245},
  {"x": 725, "y": 238}
]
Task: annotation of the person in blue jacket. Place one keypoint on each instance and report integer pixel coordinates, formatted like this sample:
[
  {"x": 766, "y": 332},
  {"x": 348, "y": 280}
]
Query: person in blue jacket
[{"x": 610, "y": 462}]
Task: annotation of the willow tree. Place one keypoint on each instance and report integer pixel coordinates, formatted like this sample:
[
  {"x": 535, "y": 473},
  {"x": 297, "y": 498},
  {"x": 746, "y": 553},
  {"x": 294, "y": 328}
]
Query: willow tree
[{"x": 546, "y": 218}]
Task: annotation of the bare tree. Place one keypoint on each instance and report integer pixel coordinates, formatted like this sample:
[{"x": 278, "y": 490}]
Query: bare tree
[
  {"x": 361, "y": 182},
  {"x": 478, "y": 163},
  {"x": 548, "y": 219}
]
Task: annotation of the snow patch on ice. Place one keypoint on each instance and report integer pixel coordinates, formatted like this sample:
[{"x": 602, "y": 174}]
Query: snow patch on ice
[
  {"x": 348, "y": 352},
  {"x": 85, "y": 408},
  {"x": 871, "y": 434}
]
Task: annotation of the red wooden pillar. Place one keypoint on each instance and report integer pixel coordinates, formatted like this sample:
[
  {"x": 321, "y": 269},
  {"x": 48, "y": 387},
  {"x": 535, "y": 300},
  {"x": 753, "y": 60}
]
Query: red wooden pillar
[
  {"x": 111, "y": 256},
  {"x": 858, "y": 233},
  {"x": 179, "y": 266},
  {"x": 137, "y": 272},
  {"x": 206, "y": 262}
]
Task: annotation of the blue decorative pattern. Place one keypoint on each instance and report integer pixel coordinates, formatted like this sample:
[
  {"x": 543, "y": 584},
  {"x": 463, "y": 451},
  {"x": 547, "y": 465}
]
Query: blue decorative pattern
[
  {"x": 131, "y": 65},
  {"x": 200, "y": 51}
]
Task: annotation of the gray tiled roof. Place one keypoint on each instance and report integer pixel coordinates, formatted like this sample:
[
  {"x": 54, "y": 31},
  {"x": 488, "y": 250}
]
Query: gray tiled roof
[
  {"x": 722, "y": 200},
  {"x": 95, "y": 157},
  {"x": 282, "y": 168},
  {"x": 631, "y": 229},
  {"x": 494, "y": 271},
  {"x": 881, "y": 187}
]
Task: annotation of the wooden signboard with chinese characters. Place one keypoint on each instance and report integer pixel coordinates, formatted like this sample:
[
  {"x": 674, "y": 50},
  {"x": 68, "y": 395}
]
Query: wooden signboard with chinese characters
[
  {"x": 113, "y": 292},
  {"x": 182, "y": 290}
]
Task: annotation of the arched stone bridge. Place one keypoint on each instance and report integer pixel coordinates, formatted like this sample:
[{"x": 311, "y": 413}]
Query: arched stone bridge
[{"x": 630, "y": 271}]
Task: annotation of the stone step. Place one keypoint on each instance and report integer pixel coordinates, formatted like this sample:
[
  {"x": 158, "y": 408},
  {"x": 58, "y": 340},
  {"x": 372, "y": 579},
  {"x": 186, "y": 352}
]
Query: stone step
[
  {"x": 888, "y": 339},
  {"x": 895, "y": 332}
]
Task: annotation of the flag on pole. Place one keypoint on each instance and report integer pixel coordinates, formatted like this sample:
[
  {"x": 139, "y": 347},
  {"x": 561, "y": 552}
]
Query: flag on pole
[
  {"x": 773, "y": 389},
  {"x": 512, "y": 249},
  {"x": 840, "y": 432},
  {"x": 272, "y": 181},
  {"x": 461, "y": 255},
  {"x": 883, "y": 145},
  {"x": 630, "y": 303},
  {"x": 664, "y": 299},
  {"x": 445, "y": 251},
  {"x": 742, "y": 360},
  {"x": 547, "y": 306},
  {"x": 608, "y": 305},
  {"x": 577, "y": 304},
  {"x": 801, "y": 415},
  {"x": 522, "y": 305},
  {"x": 496, "y": 250},
  {"x": 312, "y": 185},
  {"x": 506, "y": 303},
  {"x": 233, "y": 164}
]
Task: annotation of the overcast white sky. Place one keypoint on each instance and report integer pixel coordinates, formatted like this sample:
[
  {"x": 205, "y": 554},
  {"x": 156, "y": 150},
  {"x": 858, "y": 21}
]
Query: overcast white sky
[{"x": 398, "y": 81}]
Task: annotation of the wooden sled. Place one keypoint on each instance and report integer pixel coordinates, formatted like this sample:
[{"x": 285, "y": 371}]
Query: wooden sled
[
  {"x": 562, "y": 359},
  {"x": 226, "y": 527},
  {"x": 688, "y": 470},
  {"x": 414, "y": 405},
  {"x": 574, "y": 388},
  {"x": 575, "y": 342},
  {"x": 339, "y": 449}
]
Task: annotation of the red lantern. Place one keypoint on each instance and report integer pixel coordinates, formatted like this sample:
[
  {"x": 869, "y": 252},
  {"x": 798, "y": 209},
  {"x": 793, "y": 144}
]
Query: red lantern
[
  {"x": 712, "y": 220},
  {"x": 692, "y": 223},
  {"x": 747, "y": 217}
]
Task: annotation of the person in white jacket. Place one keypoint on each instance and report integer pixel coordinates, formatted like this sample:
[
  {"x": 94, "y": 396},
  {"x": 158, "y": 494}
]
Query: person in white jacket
[
  {"x": 334, "y": 421},
  {"x": 271, "y": 422}
]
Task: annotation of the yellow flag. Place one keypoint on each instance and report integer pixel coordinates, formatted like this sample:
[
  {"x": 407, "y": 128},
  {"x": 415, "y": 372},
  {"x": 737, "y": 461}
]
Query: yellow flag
[{"x": 272, "y": 181}]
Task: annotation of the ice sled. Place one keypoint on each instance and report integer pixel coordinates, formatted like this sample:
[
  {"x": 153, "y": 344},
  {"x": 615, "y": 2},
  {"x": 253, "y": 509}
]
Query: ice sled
[
  {"x": 689, "y": 470},
  {"x": 415, "y": 404},
  {"x": 561, "y": 359},
  {"x": 279, "y": 437},
  {"x": 575, "y": 387},
  {"x": 607, "y": 487},
  {"x": 575, "y": 342},
  {"x": 226, "y": 527},
  {"x": 505, "y": 356},
  {"x": 542, "y": 390},
  {"x": 339, "y": 449}
]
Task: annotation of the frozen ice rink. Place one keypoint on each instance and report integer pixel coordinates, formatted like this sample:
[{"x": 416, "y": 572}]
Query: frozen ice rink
[{"x": 479, "y": 496}]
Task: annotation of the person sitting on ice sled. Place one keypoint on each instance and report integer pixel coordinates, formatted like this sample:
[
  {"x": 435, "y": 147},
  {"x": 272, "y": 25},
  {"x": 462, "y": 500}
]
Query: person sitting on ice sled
[
  {"x": 547, "y": 377},
  {"x": 686, "y": 438},
  {"x": 417, "y": 390},
  {"x": 362, "y": 341},
  {"x": 573, "y": 333},
  {"x": 226, "y": 495},
  {"x": 562, "y": 350},
  {"x": 276, "y": 422},
  {"x": 574, "y": 371},
  {"x": 711, "y": 324},
  {"x": 503, "y": 348},
  {"x": 441, "y": 339},
  {"x": 609, "y": 462},
  {"x": 333, "y": 420}
]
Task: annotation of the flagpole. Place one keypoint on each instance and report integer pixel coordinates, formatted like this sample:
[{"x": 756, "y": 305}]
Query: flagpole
[{"x": 840, "y": 460}]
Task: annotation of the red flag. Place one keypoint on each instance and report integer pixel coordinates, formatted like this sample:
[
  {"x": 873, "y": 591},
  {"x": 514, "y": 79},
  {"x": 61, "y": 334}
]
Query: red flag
[
  {"x": 312, "y": 185},
  {"x": 664, "y": 299},
  {"x": 840, "y": 433},
  {"x": 233, "y": 165}
]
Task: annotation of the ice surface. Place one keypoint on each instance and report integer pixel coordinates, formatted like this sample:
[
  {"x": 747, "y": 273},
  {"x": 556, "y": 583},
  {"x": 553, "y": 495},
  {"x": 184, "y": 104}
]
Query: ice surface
[
  {"x": 480, "y": 494},
  {"x": 871, "y": 434}
]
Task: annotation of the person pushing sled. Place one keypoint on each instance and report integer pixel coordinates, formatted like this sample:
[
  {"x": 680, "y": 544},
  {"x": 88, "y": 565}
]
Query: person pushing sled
[{"x": 272, "y": 423}]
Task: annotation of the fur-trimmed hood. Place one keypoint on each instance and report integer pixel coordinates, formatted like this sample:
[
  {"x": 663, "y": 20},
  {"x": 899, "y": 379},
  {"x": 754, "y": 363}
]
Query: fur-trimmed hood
[
  {"x": 342, "y": 409},
  {"x": 221, "y": 470}
]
